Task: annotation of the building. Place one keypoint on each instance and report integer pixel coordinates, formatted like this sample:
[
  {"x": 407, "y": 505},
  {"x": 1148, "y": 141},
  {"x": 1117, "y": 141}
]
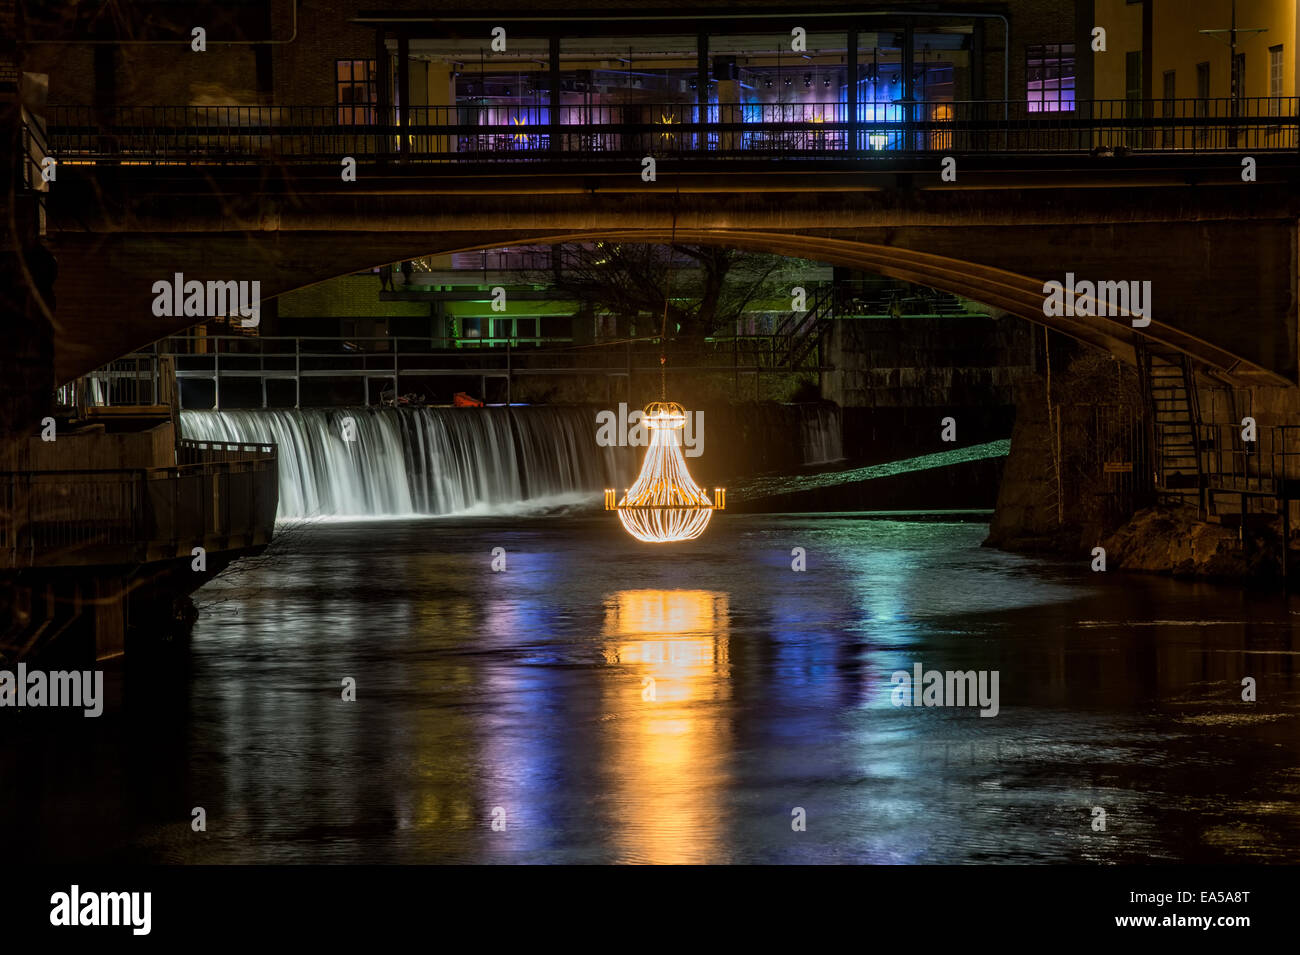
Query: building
[
  {"x": 1167, "y": 50},
  {"x": 347, "y": 57}
]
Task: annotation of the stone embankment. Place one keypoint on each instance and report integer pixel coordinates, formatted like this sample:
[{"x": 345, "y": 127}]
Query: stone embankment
[{"x": 1173, "y": 541}]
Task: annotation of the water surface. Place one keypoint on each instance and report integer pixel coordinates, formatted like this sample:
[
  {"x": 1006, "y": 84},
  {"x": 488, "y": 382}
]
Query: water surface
[{"x": 526, "y": 693}]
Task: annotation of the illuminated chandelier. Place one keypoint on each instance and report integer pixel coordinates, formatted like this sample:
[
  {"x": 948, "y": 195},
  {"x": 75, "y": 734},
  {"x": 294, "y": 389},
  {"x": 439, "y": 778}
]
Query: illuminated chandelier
[{"x": 665, "y": 504}]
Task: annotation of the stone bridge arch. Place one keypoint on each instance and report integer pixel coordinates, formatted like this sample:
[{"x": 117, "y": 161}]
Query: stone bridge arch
[
  {"x": 1222, "y": 257},
  {"x": 289, "y": 261}
]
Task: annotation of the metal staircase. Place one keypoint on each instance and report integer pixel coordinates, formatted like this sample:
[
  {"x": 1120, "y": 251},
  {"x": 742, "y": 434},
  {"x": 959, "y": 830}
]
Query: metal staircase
[
  {"x": 800, "y": 332},
  {"x": 1169, "y": 392}
]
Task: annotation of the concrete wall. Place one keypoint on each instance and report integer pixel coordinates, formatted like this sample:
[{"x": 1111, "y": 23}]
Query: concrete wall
[
  {"x": 897, "y": 379},
  {"x": 907, "y": 362},
  {"x": 96, "y": 446}
]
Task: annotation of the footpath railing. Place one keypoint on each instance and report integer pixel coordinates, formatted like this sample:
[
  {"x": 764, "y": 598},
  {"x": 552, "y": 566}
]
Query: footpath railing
[
  {"x": 385, "y": 365},
  {"x": 472, "y": 134},
  {"x": 1269, "y": 466},
  {"x": 217, "y": 493}
]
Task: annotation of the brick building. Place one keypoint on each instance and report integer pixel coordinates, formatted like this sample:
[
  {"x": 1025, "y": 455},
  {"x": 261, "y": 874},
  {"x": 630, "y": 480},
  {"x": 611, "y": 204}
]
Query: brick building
[{"x": 323, "y": 52}]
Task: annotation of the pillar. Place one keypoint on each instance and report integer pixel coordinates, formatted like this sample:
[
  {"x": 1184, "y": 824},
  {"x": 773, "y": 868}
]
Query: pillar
[
  {"x": 433, "y": 103},
  {"x": 553, "y": 91},
  {"x": 383, "y": 97},
  {"x": 702, "y": 89},
  {"x": 910, "y": 112},
  {"x": 851, "y": 93},
  {"x": 403, "y": 92},
  {"x": 729, "y": 111}
]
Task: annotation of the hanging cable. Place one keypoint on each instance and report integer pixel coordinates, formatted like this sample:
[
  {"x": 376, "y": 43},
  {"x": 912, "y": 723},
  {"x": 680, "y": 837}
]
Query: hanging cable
[{"x": 665, "y": 504}]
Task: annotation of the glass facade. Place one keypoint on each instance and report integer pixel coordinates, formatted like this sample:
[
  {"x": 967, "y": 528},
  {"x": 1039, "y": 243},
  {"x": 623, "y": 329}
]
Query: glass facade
[{"x": 624, "y": 94}]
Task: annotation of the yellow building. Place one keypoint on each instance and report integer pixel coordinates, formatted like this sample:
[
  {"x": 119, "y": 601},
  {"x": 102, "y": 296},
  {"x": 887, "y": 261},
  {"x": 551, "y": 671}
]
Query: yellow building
[{"x": 1156, "y": 50}]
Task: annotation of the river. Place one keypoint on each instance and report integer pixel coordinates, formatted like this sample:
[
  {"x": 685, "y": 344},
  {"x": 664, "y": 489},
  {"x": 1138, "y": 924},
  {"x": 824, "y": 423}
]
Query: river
[{"x": 601, "y": 700}]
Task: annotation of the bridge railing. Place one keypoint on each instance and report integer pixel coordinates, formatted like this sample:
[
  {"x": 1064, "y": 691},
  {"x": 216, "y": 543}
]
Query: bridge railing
[
  {"x": 118, "y": 516},
  {"x": 473, "y": 135}
]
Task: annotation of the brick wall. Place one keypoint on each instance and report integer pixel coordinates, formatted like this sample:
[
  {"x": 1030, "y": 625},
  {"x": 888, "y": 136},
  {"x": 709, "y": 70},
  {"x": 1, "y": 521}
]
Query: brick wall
[
  {"x": 155, "y": 73},
  {"x": 351, "y": 295}
]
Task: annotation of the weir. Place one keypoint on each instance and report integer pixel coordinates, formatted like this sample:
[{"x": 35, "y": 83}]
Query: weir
[
  {"x": 445, "y": 461},
  {"x": 411, "y": 461}
]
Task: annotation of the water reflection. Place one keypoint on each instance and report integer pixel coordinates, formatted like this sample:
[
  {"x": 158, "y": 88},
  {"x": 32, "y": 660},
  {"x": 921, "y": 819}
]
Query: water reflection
[
  {"x": 528, "y": 690},
  {"x": 669, "y": 741}
]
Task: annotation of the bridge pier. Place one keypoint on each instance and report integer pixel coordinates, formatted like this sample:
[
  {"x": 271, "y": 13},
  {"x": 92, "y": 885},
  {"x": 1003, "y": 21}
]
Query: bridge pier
[{"x": 27, "y": 277}]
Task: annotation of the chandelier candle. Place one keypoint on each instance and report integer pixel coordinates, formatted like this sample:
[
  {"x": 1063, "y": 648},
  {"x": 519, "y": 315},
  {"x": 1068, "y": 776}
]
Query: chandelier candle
[{"x": 665, "y": 504}]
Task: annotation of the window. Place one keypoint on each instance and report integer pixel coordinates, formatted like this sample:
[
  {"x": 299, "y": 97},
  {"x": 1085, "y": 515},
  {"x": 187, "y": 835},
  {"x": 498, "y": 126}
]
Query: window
[
  {"x": 1133, "y": 78},
  {"x": 1133, "y": 95},
  {"x": 262, "y": 65},
  {"x": 356, "y": 91},
  {"x": 525, "y": 329},
  {"x": 1049, "y": 73},
  {"x": 1274, "y": 79}
]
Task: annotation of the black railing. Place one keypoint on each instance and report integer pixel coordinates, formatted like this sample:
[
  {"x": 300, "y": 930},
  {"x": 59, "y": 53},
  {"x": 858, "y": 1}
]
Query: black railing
[
  {"x": 472, "y": 134},
  {"x": 391, "y": 363},
  {"x": 134, "y": 381},
  {"x": 1268, "y": 466},
  {"x": 127, "y": 515}
]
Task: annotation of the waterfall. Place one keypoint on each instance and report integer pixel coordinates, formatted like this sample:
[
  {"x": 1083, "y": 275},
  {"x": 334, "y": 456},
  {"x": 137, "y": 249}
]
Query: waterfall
[
  {"x": 407, "y": 461},
  {"x": 823, "y": 440}
]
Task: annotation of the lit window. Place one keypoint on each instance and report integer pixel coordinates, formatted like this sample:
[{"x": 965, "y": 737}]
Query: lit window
[
  {"x": 1049, "y": 71},
  {"x": 356, "y": 93}
]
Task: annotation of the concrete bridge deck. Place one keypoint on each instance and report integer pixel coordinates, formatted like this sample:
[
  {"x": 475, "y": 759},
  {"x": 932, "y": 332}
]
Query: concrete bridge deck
[{"x": 1221, "y": 253}]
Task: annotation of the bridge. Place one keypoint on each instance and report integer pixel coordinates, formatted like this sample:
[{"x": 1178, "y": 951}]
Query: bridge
[{"x": 1106, "y": 193}]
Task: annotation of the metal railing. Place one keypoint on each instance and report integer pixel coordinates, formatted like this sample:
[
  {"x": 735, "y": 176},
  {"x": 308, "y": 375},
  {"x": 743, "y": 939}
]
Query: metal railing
[
  {"x": 1117, "y": 448},
  {"x": 130, "y": 381},
  {"x": 206, "y": 454},
  {"x": 472, "y": 134},
  {"x": 392, "y": 362},
  {"x": 126, "y": 515},
  {"x": 34, "y": 150},
  {"x": 1268, "y": 466}
]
